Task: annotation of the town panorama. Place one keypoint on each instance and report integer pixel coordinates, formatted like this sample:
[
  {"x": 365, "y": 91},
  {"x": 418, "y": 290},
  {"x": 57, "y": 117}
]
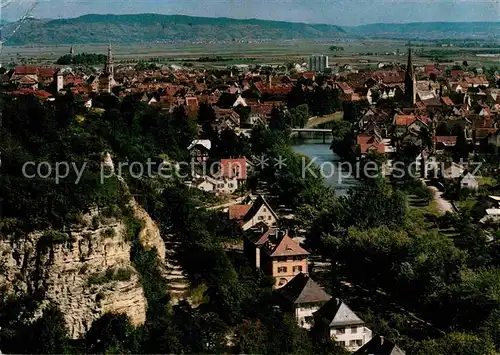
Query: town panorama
[{"x": 179, "y": 184}]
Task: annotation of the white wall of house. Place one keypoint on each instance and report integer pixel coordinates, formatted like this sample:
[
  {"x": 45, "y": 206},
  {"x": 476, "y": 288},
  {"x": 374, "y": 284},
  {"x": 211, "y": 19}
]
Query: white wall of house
[
  {"x": 206, "y": 186},
  {"x": 226, "y": 186},
  {"x": 352, "y": 338},
  {"x": 304, "y": 315},
  {"x": 469, "y": 181},
  {"x": 262, "y": 215}
]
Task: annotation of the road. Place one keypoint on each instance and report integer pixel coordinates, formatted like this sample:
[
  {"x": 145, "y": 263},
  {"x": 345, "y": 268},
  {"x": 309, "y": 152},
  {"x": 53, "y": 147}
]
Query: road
[
  {"x": 227, "y": 204},
  {"x": 442, "y": 204}
]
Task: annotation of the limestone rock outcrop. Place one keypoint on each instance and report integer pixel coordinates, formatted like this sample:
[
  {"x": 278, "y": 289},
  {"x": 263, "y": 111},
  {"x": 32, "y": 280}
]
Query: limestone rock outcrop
[{"x": 86, "y": 270}]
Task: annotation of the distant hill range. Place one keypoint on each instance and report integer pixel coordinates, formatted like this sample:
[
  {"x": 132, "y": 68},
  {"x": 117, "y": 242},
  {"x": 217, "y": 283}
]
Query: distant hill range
[
  {"x": 167, "y": 28},
  {"x": 429, "y": 30},
  {"x": 152, "y": 27}
]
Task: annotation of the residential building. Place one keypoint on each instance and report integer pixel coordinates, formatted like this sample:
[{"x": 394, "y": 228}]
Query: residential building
[
  {"x": 337, "y": 321},
  {"x": 276, "y": 254},
  {"x": 492, "y": 215},
  {"x": 469, "y": 181},
  {"x": 318, "y": 63},
  {"x": 379, "y": 345},
  {"x": 258, "y": 211},
  {"x": 205, "y": 183},
  {"x": 234, "y": 168},
  {"x": 404, "y": 124},
  {"x": 443, "y": 143},
  {"x": 199, "y": 149},
  {"x": 302, "y": 297},
  {"x": 226, "y": 186},
  {"x": 451, "y": 170}
]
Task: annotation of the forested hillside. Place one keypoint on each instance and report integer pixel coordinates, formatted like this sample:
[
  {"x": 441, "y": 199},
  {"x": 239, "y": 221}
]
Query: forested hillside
[{"x": 156, "y": 27}]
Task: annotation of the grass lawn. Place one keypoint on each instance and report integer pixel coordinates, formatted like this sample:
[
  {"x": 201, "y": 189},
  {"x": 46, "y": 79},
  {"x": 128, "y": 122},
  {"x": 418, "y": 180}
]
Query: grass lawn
[
  {"x": 466, "y": 204},
  {"x": 319, "y": 120},
  {"x": 486, "y": 181}
]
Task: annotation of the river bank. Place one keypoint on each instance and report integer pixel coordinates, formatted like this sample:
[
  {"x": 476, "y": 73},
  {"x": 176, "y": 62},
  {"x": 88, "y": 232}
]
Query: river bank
[{"x": 322, "y": 155}]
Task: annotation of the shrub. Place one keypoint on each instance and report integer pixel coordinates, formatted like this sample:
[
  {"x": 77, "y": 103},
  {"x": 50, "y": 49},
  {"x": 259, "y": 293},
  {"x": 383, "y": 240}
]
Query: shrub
[
  {"x": 108, "y": 233},
  {"x": 117, "y": 274}
]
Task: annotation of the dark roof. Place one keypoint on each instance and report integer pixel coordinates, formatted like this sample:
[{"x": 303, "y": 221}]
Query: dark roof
[
  {"x": 379, "y": 345},
  {"x": 336, "y": 313},
  {"x": 303, "y": 289}
]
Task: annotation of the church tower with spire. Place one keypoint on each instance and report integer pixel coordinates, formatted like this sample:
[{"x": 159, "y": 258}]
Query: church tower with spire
[
  {"x": 410, "y": 81},
  {"x": 109, "y": 67},
  {"x": 106, "y": 79}
]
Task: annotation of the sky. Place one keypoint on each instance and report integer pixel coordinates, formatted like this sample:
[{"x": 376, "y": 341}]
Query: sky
[{"x": 335, "y": 12}]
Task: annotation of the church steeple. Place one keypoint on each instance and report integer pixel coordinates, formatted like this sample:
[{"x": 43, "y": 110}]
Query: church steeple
[
  {"x": 109, "y": 67},
  {"x": 72, "y": 52},
  {"x": 410, "y": 81}
]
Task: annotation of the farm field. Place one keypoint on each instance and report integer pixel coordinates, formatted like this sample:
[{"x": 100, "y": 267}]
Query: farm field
[{"x": 359, "y": 53}]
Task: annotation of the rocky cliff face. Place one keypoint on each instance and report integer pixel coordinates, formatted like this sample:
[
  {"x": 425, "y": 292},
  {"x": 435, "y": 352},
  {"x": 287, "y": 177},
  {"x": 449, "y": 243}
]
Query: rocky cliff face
[{"x": 85, "y": 270}]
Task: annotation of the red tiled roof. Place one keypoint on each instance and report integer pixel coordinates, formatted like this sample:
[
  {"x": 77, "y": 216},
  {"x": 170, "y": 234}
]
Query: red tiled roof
[
  {"x": 446, "y": 140},
  {"x": 345, "y": 88},
  {"x": 420, "y": 105},
  {"x": 484, "y": 132},
  {"x": 447, "y": 101},
  {"x": 25, "y": 70},
  {"x": 377, "y": 147},
  {"x": 192, "y": 102},
  {"x": 288, "y": 247},
  {"x": 430, "y": 68},
  {"x": 406, "y": 120},
  {"x": 234, "y": 168},
  {"x": 238, "y": 211},
  {"x": 388, "y": 77},
  {"x": 46, "y": 72},
  {"x": 308, "y": 75},
  {"x": 366, "y": 139},
  {"x": 38, "y": 93},
  {"x": 26, "y": 80},
  {"x": 455, "y": 73},
  {"x": 273, "y": 89}
]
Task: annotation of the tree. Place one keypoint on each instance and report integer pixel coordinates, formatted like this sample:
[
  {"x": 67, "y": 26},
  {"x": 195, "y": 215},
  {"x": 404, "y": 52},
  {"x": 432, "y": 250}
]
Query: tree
[
  {"x": 47, "y": 334},
  {"x": 112, "y": 333},
  {"x": 456, "y": 344},
  {"x": 251, "y": 337}
]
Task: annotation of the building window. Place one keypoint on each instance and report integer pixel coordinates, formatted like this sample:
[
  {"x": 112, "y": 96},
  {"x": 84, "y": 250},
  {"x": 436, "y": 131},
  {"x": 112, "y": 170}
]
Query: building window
[
  {"x": 354, "y": 330},
  {"x": 261, "y": 218},
  {"x": 341, "y": 343},
  {"x": 297, "y": 268},
  {"x": 359, "y": 342},
  {"x": 352, "y": 343},
  {"x": 282, "y": 269},
  {"x": 269, "y": 217},
  {"x": 340, "y": 331},
  {"x": 231, "y": 185},
  {"x": 282, "y": 282}
]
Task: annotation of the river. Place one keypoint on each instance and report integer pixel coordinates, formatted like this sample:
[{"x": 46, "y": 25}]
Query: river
[{"x": 325, "y": 158}]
